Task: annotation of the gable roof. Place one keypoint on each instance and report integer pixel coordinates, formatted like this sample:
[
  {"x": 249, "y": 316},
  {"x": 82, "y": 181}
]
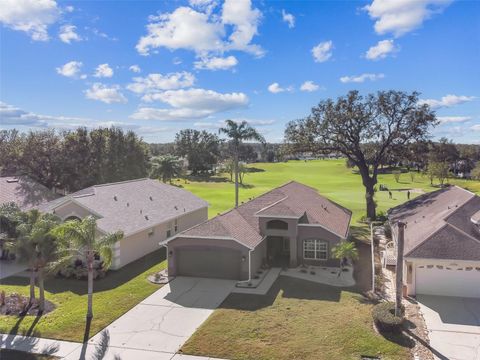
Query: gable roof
[
  {"x": 290, "y": 200},
  {"x": 24, "y": 192},
  {"x": 131, "y": 206},
  {"x": 439, "y": 225}
]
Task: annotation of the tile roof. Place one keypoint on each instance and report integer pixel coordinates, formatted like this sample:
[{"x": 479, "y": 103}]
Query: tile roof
[
  {"x": 24, "y": 192},
  {"x": 439, "y": 225},
  {"x": 290, "y": 200},
  {"x": 134, "y": 205}
]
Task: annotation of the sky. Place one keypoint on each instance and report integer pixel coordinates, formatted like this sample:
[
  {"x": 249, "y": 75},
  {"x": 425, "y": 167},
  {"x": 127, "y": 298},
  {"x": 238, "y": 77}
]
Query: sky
[{"x": 160, "y": 66}]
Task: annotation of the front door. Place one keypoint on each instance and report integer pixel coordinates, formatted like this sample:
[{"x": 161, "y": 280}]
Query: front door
[{"x": 278, "y": 251}]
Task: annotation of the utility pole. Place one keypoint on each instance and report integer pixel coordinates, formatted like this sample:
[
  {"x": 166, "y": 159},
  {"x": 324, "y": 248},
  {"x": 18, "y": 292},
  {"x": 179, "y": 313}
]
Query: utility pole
[{"x": 399, "y": 269}]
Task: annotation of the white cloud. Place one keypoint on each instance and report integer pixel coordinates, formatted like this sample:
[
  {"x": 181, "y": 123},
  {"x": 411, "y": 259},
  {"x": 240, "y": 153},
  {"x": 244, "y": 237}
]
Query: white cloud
[
  {"x": 400, "y": 17},
  {"x": 275, "y": 88},
  {"x": 323, "y": 51},
  {"x": 135, "y": 68},
  {"x": 30, "y": 16},
  {"x": 71, "y": 69},
  {"x": 447, "y": 101},
  {"x": 309, "y": 86},
  {"x": 108, "y": 94},
  {"x": 220, "y": 123},
  {"x": 203, "y": 32},
  {"x": 190, "y": 104},
  {"x": 154, "y": 83},
  {"x": 103, "y": 71},
  {"x": 68, "y": 34},
  {"x": 453, "y": 119},
  {"x": 216, "y": 63},
  {"x": 69, "y": 8},
  {"x": 361, "y": 78},
  {"x": 288, "y": 18},
  {"x": 381, "y": 50},
  {"x": 16, "y": 117},
  {"x": 475, "y": 127},
  {"x": 206, "y": 6}
]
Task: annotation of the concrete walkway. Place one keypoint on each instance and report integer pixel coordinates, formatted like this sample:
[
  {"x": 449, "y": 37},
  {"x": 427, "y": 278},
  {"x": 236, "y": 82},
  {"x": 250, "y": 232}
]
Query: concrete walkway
[{"x": 154, "y": 329}]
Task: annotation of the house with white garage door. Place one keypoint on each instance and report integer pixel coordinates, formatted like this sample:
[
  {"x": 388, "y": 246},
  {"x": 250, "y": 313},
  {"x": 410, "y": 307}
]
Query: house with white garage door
[
  {"x": 145, "y": 210},
  {"x": 442, "y": 243}
]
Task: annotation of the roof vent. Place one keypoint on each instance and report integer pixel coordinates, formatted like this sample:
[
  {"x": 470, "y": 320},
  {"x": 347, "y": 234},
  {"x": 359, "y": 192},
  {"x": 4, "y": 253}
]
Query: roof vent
[
  {"x": 176, "y": 207},
  {"x": 128, "y": 204},
  {"x": 115, "y": 197},
  {"x": 184, "y": 210},
  {"x": 151, "y": 199},
  {"x": 146, "y": 217},
  {"x": 141, "y": 211}
]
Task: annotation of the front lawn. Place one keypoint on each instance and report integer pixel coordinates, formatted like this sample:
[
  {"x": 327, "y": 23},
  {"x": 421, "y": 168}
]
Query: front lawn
[
  {"x": 296, "y": 320},
  {"x": 117, "y": 293}
]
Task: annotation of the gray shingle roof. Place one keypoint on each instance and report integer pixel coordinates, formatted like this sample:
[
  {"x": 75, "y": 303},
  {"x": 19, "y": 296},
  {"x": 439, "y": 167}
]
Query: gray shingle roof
[
  {"x": 131, "y": 206},
  {"x": 292, "y": 199},
  {"x": 24, "y": 192},
  {"x": 439, "y": 225}
]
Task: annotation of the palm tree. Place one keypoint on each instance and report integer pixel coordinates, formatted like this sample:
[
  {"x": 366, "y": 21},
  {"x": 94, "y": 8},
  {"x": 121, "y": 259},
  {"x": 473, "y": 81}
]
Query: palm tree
[
  {"x": 80, "y": 239},
  {"x": 165, "y": 168},
  {"x": 237, "y": 133},
  {"x": 36, "y": 245},
  {"x": 345, "y": 250}
]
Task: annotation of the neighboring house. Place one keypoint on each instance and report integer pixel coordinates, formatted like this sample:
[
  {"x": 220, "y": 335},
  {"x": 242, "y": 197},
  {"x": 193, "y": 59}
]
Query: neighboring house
[
  {"x": 442, "y": 242},
  {"x": 24, "y": 192},
  {"x": 146, "y": 210},
  {"x": 288, "y": 226}
]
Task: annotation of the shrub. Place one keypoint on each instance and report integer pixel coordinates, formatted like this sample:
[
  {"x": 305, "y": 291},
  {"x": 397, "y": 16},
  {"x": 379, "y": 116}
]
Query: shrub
[{"x": 384, "y": 317}]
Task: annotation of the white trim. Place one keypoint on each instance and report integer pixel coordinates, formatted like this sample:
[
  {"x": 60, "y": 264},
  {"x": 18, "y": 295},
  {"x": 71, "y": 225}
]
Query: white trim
[
  {"x": 451, "y": 261},
  {"x": 323, "y": 227}
]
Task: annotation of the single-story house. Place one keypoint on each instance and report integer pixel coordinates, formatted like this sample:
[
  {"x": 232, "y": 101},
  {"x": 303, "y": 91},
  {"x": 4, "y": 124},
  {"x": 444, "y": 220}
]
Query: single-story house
[
  {"x": 24, "y": 192},
  {"x": 146, "y": 210},
  {"x": 441, "y": 242},
  {"x": 287, "y": 226}
]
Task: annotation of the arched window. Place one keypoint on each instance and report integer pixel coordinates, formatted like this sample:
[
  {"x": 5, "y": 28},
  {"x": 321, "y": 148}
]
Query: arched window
[
  {"x": 72, "y": 217},
  {"x": 277, "y": 225}
]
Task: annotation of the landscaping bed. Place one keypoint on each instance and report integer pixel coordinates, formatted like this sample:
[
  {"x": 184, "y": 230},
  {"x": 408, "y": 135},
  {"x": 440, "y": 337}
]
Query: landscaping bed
[{"x": 15, "y": 304}]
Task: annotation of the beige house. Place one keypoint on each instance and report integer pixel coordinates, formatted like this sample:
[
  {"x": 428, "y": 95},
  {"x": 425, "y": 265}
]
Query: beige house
[
  {"x": 442, "y": 243},
  {"x": 146, "y": 210}
]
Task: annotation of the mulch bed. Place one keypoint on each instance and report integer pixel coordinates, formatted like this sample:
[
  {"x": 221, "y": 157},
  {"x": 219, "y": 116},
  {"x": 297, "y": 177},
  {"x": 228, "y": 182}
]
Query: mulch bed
[{"x": 17, "y": 305}]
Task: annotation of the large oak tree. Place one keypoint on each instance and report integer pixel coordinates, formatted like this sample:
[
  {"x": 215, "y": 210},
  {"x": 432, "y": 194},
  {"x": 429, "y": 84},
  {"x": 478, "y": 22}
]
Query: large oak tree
[{"x": 364, "y": 129}]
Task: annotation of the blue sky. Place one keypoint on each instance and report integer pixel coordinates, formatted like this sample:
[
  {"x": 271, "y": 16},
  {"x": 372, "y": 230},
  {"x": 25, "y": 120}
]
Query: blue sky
[{"x": 157, "y": 67}]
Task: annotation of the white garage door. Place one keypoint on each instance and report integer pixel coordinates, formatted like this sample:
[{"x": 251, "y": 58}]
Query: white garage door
[{"x": 448, "y": 281}]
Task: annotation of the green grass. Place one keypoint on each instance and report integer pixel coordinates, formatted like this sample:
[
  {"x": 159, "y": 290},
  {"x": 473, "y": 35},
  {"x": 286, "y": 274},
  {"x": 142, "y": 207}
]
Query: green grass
[
  {"x": 330, "y": 177},
  {"x": 297, "y": 319},
  {"x": 117, "y": 293}
]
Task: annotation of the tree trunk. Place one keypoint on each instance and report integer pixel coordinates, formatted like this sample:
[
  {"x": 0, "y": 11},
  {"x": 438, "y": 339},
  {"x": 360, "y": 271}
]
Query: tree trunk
[
  {"x": 236, "y": 175},
  {"x": 369, "y": 197},
  {"x": 41, "y": 290},
  {"x": 32, "y": 285},
  {"x": 399, "y": 269},
  {"x": 90, "y": 287}
]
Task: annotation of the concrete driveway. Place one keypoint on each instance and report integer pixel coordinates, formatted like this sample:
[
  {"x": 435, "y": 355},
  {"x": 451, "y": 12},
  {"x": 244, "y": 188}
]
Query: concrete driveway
[
  {"x": 453, "y": 326},
  {"x": 158, "y": 326}
]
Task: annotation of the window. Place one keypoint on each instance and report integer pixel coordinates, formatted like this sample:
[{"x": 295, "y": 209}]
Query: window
[
  {"x": 277, "y": 225},
  {"x": 315, "y": 249},
  {"x": 169, "y": 233},
  {"x": 175, "y": 229}
]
